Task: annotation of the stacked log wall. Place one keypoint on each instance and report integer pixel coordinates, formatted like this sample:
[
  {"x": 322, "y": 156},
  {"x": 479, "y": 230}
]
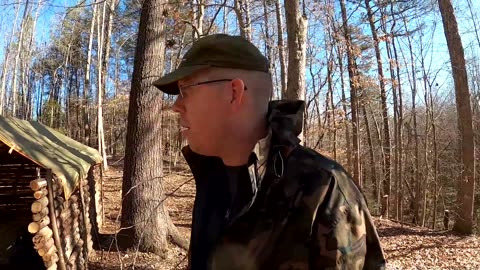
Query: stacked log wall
[
  {"x": 15, "y": 193},
  {"x": 93, "y": 193},
  {"x": 72, "y": 221}
]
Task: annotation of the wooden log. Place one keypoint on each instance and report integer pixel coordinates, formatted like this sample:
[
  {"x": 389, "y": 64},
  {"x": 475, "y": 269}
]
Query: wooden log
[
  {"x": 75, "y": 254},
  {"x": 34, "y": 226},
  {"x": 38, "y": 216},
  {"x": 44, "y": 244},
  {"x": 56, "y": 234},
  {"x": 59, "y": 200},
  {"x": 44, "y": 233},
  {"x": 59, "y": 209},
  {"x": 52, "y": 267},
  {"x": 40, "y": 193},
  {"x": 52, "y": 260},
  {"x": 67, "y": 217},
  {"x": 71, "y": 241},
  {"x": 47, "y": 252},
  {"x": 38, "y": 205},
  {"x": 86, "y": 222},
  {"x": 46, "y": 247},
  {"x": 37, "y": 184}
]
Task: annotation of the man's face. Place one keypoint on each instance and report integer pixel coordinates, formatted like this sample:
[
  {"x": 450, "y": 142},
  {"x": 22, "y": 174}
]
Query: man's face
[{"x": 204, "y": 112}]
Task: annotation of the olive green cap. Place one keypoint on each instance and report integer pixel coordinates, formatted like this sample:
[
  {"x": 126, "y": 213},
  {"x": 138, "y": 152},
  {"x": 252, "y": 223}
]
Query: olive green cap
[{"x": 218, "y": 50}]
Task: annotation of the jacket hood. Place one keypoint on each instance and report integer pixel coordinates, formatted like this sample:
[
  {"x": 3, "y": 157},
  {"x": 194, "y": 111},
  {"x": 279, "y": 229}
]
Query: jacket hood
[{"x": 285, "y": 118}]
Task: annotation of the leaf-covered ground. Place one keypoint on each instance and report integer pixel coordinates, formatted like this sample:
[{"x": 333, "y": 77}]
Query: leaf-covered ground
[{"x": 406, "y": 247}]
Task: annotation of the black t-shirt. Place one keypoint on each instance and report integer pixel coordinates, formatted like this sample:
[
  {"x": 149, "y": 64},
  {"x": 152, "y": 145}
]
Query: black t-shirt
[{"x": 221, "y": 194}]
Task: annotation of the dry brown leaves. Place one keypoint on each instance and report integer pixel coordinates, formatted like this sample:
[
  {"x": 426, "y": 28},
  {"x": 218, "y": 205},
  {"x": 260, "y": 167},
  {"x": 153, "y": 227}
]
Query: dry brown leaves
[{"x": 408, "y": 247}]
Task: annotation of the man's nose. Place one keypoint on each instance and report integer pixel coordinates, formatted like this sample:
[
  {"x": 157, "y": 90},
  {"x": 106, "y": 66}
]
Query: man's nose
[{"x": 178, "y": 106}]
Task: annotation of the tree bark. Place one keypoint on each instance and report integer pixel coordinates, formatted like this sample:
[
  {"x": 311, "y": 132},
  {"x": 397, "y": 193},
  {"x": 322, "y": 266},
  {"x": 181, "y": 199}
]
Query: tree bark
[
  {"x": 5, "y": 62},
  {"x": 399, "y": 141},
  {"x": 371, "y": 153},
  {"x": 354, "y": 88},
  {"x": 416, "y": 179},
  {"x": 100, "y": 50},
  {"x": 465, "y": 196},
  {"x": 17, "y": 58},
  {"x": 145, "y": 218},
  {"x": 383, "y": 98},
  {"x": 200, "y": 12},
  {"x": 268, "y": 42},
  {"x": 296, "y": 23},
  {"x": 241, "y": 8},
  {"x": 344, "y": 106},
  {"x": 86, "y": 87},
  {"x": 281, "y": 49}
]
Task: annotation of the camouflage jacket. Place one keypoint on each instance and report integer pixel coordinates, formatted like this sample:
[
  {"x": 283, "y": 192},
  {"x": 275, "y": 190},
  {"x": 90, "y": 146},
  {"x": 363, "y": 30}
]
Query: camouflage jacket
[{"x": 302, "y": 212}]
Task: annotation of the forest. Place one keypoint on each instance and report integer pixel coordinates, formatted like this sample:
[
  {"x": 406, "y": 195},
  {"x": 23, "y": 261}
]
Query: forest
[{"x": 392, "y": 92}]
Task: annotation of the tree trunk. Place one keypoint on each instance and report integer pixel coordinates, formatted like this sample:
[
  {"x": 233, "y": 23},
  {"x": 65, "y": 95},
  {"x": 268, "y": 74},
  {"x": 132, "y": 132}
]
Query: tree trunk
[
  {"x": 145, "y": 218},
  {"x": 86, "y": 87},
  {"x": 426, "y": 139},
  {"x": 268, "y": 37},
  {"x": 416, "y": 179},
  {"x": 344, "y": 106},
  {"x": 399, "y": 142},
  {"x": 465, "y": 195},
  {"x": 281, "y": 49},
  {"x": 435, "y": 161},
  {"x": 383, "y": 97},
  {"x": 27, "y": 90},
  {"x": 17, "y": 59},
  {"x": 371, "y": 154},
  {"x": 379, "y": 138},
  {"x": 200, "y": 12},
  {"x": 331, "y": 113},
  {"x": 100, "y": 131},
  {"x": 241, "y": 8},
  {"x": 5, "y": 62},
  {"x": 297, "y": 41},
  {"x": 354, "y": 81}
]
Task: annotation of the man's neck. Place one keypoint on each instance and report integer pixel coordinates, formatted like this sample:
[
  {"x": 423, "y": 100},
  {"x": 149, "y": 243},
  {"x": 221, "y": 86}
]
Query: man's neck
[{"x": 238, "y": 153}]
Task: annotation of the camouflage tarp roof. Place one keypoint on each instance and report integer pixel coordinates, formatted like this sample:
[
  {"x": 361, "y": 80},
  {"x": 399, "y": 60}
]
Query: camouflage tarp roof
[{"x": 68, "y": 159}]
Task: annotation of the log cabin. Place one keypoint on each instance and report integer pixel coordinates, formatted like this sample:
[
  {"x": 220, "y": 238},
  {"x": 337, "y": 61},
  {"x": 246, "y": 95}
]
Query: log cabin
[{"x": 50, "y": 186}]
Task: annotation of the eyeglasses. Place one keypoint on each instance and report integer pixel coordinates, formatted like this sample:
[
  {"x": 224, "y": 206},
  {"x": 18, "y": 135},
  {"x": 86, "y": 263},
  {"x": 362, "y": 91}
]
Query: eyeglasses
[{"x": 200, "y": 83}]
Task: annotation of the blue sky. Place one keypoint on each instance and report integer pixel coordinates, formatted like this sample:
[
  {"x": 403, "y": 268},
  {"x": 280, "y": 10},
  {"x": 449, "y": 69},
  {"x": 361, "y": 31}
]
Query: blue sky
[{"x": 54, "y": 10}]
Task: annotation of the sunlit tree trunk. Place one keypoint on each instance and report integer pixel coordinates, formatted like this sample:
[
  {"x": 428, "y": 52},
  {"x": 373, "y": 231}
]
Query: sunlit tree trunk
[
  {"x": 23, "y": 25},
  {"x": 296, "y": 24},
  {"x": 241, "y": 8},
  {"x": 466, "y": 188},
  {"x": 87, "y": 83},
  {"x": 383, "y": 99},
  {"x": 281, "y": 49},
  {"x": 354, "y": 83},
  {"x": 145, "y": 220},
  {"x": 416, "y": 174},
  {"x": 101, "y": 86},
  {"x": 6, "y": 61}
]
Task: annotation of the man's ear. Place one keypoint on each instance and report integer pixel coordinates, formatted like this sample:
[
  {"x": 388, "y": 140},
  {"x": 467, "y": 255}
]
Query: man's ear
[{"x": 238, "y": 89}]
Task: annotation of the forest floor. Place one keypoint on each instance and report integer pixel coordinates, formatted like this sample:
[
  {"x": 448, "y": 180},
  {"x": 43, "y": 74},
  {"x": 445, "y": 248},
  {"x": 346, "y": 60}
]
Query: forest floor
[{"x": 406, "y": 247}]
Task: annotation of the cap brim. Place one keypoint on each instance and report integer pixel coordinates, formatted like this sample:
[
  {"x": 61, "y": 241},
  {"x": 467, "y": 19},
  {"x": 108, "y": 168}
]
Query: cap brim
[{"x": 168, "y": 83}]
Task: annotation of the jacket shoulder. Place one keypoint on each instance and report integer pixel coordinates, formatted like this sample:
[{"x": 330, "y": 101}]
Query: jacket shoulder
[{"x": 307, "y": 161}]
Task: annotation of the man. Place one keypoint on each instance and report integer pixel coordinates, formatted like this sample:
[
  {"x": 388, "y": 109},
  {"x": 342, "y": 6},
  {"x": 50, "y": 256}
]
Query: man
[{"x": 263, "y": 201}]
